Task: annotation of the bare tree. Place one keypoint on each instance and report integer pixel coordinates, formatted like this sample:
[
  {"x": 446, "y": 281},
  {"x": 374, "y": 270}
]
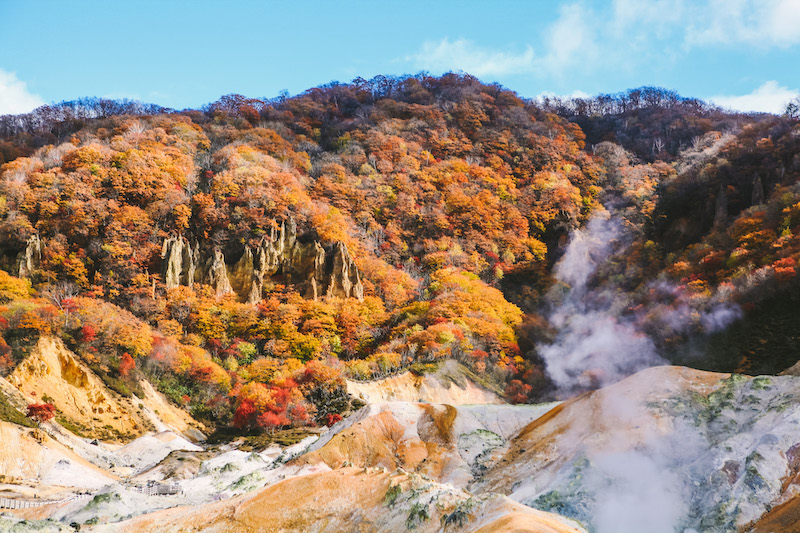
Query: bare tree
[
  {"x": 61, "y": 294},
  {"x": 658, "y": 145}
]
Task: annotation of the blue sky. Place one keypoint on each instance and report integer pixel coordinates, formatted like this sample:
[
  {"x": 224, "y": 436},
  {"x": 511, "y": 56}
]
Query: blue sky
[{"x": 739, "y": 53}]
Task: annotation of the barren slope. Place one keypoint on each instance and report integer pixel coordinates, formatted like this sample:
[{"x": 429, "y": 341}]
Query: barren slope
[
  {"x": 449, "y": 444},
  {"x": 84, "y": 401},
  {"x": 31, "y": 457},
  {"x": 451, "y": 384},
  {"x": 678, "y": 448},
  {"x": 351, "y": 499}
]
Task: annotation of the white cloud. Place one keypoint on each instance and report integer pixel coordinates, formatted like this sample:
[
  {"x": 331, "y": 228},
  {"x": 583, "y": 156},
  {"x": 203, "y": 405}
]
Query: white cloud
[
  {"x": 574, "y": 94},
  {"x": 761, "y": 23},
  {"x": 623, "y": 37},
  {"x": 461, "y": 54},
  {"x": 771, "y": 97},
  {"x": 14, "y": 95},
  {"x": 569, "y": 40}
]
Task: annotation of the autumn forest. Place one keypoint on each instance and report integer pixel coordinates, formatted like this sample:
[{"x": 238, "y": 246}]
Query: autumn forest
[{"x": 248, "y": 257}]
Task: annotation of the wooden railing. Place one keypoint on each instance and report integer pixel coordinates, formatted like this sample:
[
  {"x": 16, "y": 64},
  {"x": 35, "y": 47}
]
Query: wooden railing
[
  {"x": 151, "y": 489},
  {"x": 27, "y": 503}
]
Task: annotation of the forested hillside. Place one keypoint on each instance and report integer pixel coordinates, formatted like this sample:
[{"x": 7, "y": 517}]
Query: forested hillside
[{"x": 247, "y": 256}]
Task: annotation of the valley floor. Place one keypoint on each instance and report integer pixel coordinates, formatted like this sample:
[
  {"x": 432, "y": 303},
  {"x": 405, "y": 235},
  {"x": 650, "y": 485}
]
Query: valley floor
[{"x": 668, "y": 449}]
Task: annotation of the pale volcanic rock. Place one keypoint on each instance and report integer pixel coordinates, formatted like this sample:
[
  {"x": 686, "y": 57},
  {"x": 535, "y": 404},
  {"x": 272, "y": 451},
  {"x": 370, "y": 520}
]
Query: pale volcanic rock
[
  {"x": 449, "y": 385},
  {"x": 447, "y": 443},
  {"x": 30, "y": 455},
  {"x": 685, "y": 448},
  {"x": 350, "y": 500},
  {"x": 148, "y": 450}
]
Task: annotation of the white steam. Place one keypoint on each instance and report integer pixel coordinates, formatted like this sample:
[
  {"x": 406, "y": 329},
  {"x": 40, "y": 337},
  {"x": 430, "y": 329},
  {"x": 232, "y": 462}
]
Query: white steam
[
  {"x": 600, "y": 339},
  {"x": 640, "y": 495},
  {"x": 594, "y": 346},
  {"x": 640, "y": 477},
  {"x": 643, "y": 470}
]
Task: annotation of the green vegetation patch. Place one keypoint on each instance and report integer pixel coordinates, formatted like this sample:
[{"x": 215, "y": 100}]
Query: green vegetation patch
[
  {"x": 72, "y": 426},
  {"x": 100, "y": 499},
  {"x": 11, "y": 414},
  {"x": 392, "y": 494},
  {"x": 417, "y": 515}
]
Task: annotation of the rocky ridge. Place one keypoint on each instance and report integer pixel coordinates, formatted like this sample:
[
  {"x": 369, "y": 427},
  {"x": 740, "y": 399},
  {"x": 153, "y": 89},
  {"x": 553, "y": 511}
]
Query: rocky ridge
[
  {"x": 317, "y": 271},
  {"x": 451, "y": 384}
]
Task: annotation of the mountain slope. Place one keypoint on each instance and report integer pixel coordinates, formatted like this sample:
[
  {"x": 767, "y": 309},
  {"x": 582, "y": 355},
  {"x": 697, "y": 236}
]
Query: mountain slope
[
  {"x": 451, "y": 384},
  {"x": 678, "y": 447},
  {"x": 352, "y": 500}
]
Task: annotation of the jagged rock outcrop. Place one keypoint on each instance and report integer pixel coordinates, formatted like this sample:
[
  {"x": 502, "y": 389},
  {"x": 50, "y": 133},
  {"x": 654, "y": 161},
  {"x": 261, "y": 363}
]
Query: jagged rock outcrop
[
  {"x": 31, "y": 258},
  {"x": 314, "y": 271},
  {"x": 215, "y": 272},
  {"x": 345, "y": 279},
  {"x": 241, "y": 277},
  {"x": 179, "y": 262}
]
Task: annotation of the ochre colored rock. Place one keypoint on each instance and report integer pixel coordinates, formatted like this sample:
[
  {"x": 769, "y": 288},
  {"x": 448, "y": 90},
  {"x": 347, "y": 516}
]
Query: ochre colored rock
[{"x": 78, "y": 394}]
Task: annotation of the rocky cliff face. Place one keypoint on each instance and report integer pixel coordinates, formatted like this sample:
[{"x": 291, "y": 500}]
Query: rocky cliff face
[
  {"x": 29, "y": 260},
  {"x": 179, "y": 262},
  {"x": 318, "y": 272},
  {"x": 79, "y": 395}
]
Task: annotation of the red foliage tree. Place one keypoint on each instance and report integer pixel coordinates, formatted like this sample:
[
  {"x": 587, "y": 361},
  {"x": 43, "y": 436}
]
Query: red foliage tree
[
  {"x": 41, "y": 412},
  {"x": 517, "y": 391},
  {"x": 88, "y": 334},
  {"x": 245, "y": 414},
  {"x": 332, "y": 418},
  {"x": 126, "y": 365}
]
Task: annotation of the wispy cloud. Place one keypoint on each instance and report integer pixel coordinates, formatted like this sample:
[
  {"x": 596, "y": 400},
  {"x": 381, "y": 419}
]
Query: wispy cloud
[
  {"x": 461, "y": 54},
  {"x": 569, "y": 41},
  {"x": 574, "y": 94},
  {"x": 770, "y": 97},
  {"x": 14, "y": 95},
  {"x": 761, "y": 23},
  {"x": 624, "y": 35}
]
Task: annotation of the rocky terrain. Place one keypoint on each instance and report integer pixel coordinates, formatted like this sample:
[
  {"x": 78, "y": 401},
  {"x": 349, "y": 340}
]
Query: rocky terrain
[
  {"x": 451, "y": 384},
  {"x": 314, "y": 270},
  {"x": 675, "y": 448},
  {"x": 402, "y": 464}
]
